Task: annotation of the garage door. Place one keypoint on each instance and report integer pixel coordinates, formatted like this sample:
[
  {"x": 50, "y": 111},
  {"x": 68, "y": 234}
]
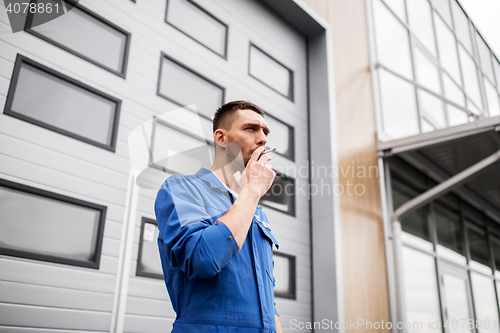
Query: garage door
[{"x": 206, "y": 53}]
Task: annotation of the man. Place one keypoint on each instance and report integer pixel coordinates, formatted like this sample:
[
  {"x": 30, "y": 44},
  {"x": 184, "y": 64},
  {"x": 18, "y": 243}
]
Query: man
[{"x": 215, "y": 242}]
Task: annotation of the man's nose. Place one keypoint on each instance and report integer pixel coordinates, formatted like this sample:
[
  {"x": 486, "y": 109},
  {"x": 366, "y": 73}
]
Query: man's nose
[{"x": 262, "y": 139}]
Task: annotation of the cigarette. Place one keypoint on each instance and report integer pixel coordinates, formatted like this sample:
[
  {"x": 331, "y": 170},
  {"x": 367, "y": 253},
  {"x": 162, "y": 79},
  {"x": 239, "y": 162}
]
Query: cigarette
[
  {"x": 270, "y": 150},
  {"x": 265, "y": 152}
]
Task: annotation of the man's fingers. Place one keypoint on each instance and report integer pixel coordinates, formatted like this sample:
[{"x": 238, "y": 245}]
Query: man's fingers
[
  {"x": 264, "y": 158},
  {"x": 256, "y": 154}
]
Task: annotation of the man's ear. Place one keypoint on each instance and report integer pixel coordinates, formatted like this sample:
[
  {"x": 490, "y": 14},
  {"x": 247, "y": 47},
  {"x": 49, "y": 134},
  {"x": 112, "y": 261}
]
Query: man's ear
[{"x": 220, "y": 138}]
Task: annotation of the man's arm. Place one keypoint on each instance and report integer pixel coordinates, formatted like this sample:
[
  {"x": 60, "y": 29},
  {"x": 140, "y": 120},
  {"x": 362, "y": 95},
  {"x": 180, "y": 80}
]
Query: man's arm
[
  {"x": 259, "y": 178},
  {"x": 188, "y": 238}
]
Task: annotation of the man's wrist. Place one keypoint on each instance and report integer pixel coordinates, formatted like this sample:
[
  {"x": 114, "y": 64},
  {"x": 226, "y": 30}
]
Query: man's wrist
[{"x": 250, "y": 194}]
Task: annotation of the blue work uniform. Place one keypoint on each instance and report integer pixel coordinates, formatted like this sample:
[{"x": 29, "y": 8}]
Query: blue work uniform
[{"x": 213, "y": 287}]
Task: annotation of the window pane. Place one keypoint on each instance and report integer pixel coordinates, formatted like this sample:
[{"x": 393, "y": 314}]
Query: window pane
[
  {"x": 49, "y": 227},
  {"x": 178, "y": 152},
  {"x": 280, "y": 137},
  {"x": 85, "y": 35},
  {"x": 420, "y": 18},
  {"x": 457, "y": 116},
  {"x": 421, "y": 293},
  {"x": 427, "y": 72},
  {"x": 149, "y": 261},
  {"x": 63, "y": 105},
  {"x": 471, "y": 82},
  {"x": 478, "y": 248},
  {"x": 281, "y": 195},
  {"x": 399, "y": 109},
  {"x": 454, "y": 94},
  {"x": 483, "y": 292},
  {"x": 198, "y": 24},
  {"x": 447, "y": 49},
  {"x": 432, "y": 111},
  {"x": 185, "y": 87},
  {"x": 393, "y": 48},
  {"x": 462, "y": 26},
  {"x": 443, "y": 8},
  {"x": 456, "y": 303},
  {"x": 398, "y": 7},
  {"x": 472, "y": 107},
  {"x": 485, "y": 57},
  {"x": 492, "y": 97},
  {"x": 284, "y": 273},
  {"x": 271, "y": 72},
  {"x": 449, "y": 234}
]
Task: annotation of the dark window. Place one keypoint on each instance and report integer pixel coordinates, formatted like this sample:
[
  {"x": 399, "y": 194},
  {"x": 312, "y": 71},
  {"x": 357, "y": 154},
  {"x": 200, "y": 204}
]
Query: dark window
[
  {"x": 281, "y": 195},
  {"x": 55, "y": 228},
  {"x": 281, "y": 137},
  {"x": 148, "y": 259},
  {"x": 52, "y": 100},
  {"x": 185, "y": 87},
  {"x": 448, "y": 228},
  {"x": 269, "y": 71},
  {"x": 495, "y": 245},
  {"x": 284, "y": 274},
  {"x": 478, "y": 246},
  {"x": 416, "y": 222},
  {"x": 84, "y": 34},
  {"x": 176, "y": 150},
  {"x": 197, "y": 23}
]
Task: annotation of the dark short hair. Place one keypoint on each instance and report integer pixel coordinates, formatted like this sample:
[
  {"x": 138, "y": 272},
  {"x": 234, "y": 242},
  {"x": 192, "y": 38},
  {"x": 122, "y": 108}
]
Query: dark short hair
[{"x": 223, "y": 116}]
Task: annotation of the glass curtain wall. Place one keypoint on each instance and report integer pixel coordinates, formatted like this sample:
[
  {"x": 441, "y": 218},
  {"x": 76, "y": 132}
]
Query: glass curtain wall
[
  {"x": 451, "y": 262},
  {"x": 433, "y": 68}
]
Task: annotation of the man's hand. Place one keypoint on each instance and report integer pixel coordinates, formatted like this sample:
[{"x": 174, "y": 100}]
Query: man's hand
[
  {"x": 258, "y": 176},
  {"x": 256, "y": 179}
]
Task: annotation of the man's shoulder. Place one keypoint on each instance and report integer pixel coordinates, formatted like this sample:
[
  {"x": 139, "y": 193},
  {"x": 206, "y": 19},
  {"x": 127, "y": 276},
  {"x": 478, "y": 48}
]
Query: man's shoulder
[{"x": 179, "y": 182}]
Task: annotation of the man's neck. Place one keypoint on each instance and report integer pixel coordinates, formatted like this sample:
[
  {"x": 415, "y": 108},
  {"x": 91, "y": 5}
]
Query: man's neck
[
  {"x": 225, "y": 175},
  {"x": 225, "y": 170}
]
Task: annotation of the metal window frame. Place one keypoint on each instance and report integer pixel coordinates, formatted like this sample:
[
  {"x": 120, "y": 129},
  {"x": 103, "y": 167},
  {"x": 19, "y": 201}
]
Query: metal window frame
[
  {"x": 291, "y": 139},
  {"x": 201, "y": 76},
  {"x": 291, "y": 88},
  {"x": 138, "y": 271},
  {"x": 478, "y": 52},
  {"x": 457, "y": 204},
  {"x": 128, "y": 36},
  {"x": 292, "y": 294},
  {"x": 66, "y": 199},
  {"x": 292, "y": 209},
  {"x": 226, "y": 41},
  {"x": 414, "y": 40},
  {"x": 20, "y": 60}
]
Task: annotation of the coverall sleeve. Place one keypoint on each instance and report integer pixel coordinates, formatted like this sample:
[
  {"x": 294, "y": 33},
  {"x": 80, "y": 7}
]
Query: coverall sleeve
[{"x": 190, "y": 238}]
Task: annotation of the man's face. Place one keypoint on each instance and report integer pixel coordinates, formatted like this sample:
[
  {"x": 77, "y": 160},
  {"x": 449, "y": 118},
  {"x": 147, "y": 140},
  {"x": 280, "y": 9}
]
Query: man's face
[{"x": 248, "y": 132}]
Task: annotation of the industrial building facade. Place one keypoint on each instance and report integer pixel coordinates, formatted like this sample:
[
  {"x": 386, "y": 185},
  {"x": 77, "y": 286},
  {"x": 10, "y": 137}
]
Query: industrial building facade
[{"x": 385, "y": 115}]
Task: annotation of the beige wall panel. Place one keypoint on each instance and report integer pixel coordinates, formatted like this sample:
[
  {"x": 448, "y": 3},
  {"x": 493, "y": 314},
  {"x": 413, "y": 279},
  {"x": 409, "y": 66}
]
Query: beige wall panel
[{"x": 363, "y": 251}]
